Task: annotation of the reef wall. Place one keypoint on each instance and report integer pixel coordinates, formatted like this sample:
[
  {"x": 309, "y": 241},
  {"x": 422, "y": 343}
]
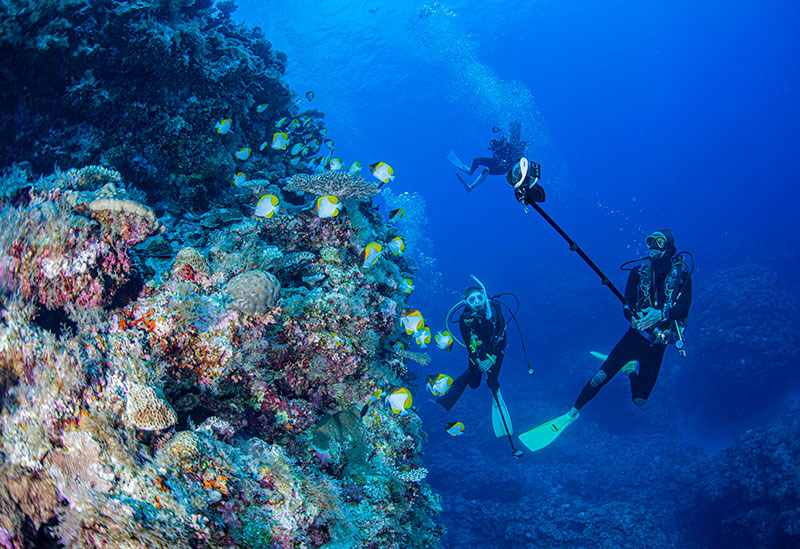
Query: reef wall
[{"x": 173, "y": 372}]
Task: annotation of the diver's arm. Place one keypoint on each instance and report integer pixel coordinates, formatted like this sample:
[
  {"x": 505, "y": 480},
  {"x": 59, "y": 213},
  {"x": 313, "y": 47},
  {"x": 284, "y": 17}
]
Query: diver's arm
[{"x": 631, "y": 294}]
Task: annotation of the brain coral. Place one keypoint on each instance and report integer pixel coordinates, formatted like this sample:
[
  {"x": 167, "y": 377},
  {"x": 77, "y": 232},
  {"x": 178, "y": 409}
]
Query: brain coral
[
  {"x": 146, "y": 411},
  {"x": 253, "y": 292}
]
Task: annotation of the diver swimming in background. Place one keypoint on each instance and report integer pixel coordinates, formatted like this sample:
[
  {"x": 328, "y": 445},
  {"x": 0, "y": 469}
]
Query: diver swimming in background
[
  {"x": 657, "y": 300},
  {"x": 505, "y": 153}
]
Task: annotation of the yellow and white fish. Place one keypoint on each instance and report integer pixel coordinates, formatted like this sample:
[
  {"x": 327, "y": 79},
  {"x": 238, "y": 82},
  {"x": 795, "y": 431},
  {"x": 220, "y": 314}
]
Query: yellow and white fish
[
  {"x": 297, "y": 148},
  {"x": 406, "y": 286},
  {"x": 267, "y": 206},
  {"x": 262, "y": 107},
  {"x": 396, "y": 245},
  {"x": 444, "y": 340},
  {"x": 239, "y": 178},
  {"x": 293, "y": 125},
  {"x": 329, "y": 143},
  {"x": 335, "y": 164},
  {"x": 279, "y": 141},
  {"x": 382, "y": 171},
  {"x": 455, "y": 428},
  {"x": 281, "y": 122},
  {"x": 354, "y": 169},
  {"x": 438, "y": 385},
  {"x": 412, "y": 320},
  {"x": 399, "y": 400},
  {"x": 370, "y": 255},
  {"x": 396, "y": 215},
  {"x": 243, "y": 153},
  {"x": 223, "y": 126},
  {"x": 398, "y": 346},
  {"x": 423, "y": 337},
  {"x": 326, "y": 206},
  {"x": 378, "y": 393}
]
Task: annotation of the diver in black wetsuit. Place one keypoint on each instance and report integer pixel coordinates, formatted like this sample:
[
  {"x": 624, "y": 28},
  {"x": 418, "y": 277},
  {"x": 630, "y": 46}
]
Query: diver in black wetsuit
[
  {"x": 506, "y": 151},
  {"x": 657, "y": 296},
  {"x": 485, "y": 337}
]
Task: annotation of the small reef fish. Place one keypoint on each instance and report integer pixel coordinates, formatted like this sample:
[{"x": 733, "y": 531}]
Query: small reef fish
[
  {"x": 293, "y": 125},
  {"x": 280, "y": 140},
  {"x": 412, "y": 320},
  {"x": 438, "y": 385},
  {"x": 239, "y": 178},
  {"x": 310, "y": 95},
  {"x": 370, "y": 255},
  {"x": 281, "y": 122},
  {"x": 378, "y": 393},
  {"x": 398, "y": 346},
  {"x": 322, "y": 131},
  {"x": 399, "y": 400},
  {"x": 396, "y": 215},
  {"x": 396, "y": 245},
  {"x": 223, "y": 126},
  {"x": 329, "y": 143},
  {"x": 455, "y": 428},
  {"x": 262, "y": 107},
  {"x": 354, "y": 169},
  {"x": 406, "y": 286},
  {"x": 422, "y": 337},
  {"x": 335, "y": 164},
  {"x": 298, "y": 102},
  {"x": 297, "y": 148},
  {"x": 326, "y": 206},
  {"x": 382, "y": 171},
  {"x": 243, "y": 153},
  {"x": 444, "y": 340},
  {"x": 267, "y": 206}
]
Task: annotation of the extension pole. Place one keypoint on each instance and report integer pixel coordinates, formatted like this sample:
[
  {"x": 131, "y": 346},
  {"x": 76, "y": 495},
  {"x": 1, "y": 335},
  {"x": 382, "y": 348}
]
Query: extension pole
[{"x": 573, "y": 246}]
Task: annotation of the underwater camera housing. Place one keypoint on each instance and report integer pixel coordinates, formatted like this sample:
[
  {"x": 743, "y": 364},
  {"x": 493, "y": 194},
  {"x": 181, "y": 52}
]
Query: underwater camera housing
[{"x": 524, "y": 177}]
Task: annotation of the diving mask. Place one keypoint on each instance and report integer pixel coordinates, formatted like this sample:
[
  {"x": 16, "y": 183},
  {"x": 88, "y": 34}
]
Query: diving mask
[
  {"x": 475, "y": 300},
  {"x": 656, "y": 241}
]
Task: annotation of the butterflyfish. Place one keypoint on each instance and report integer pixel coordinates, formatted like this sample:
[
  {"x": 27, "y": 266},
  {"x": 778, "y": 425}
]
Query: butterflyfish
[
  {"x": 438, "y": 384},
  {"x": 262, "y": 107},
  {"x": 329, "y": 143},
  {"x": 267, "y": 206},
  {"x": 243, "y": 153},
  {"x": 280, "y": 140},
  {"x": 396, "y": 245},
  {"x": 398, "y": 346},
  {"x": 326, "y": 206},
  {"x": 354, "y": 169},
  {"x": 422, "y": 337},
  {"x": 370, "y": 255},
  {"x": 378, "y": 393},
  {"x": 239, "y": 178},
  {"x": 444, "y": 340},
  {"x": 412, "y": 320},
  {"x": 335, "y": 164},
  {"x": 455, "y": 428},
  {"x": 399, "y": 400},
  {"x": 294, "y": 124},
  {"x": 298, "y": 147},
  {"x": 382, "y": 171},
  {"x": 406, "y": 286},
  {"x": 223, "y": 126},
  {"x": 281, "y": 122},
  {"x": 396, "y": 215},
  {"x": 310, "y": 95}
]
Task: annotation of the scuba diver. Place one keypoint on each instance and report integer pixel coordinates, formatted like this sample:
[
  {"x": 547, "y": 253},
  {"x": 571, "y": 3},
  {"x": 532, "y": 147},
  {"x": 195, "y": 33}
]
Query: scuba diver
[
  {"x": 483, "y": 329},
  {"x": 505, "y": 152},
  {"x": 656, "y": 303}
]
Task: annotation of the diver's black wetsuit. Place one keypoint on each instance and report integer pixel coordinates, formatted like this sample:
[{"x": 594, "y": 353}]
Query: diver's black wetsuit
[
  {"x": 496, "y": 167},
  {"x": 634, "y": 345},
  {"x": 482, "y": 337}
]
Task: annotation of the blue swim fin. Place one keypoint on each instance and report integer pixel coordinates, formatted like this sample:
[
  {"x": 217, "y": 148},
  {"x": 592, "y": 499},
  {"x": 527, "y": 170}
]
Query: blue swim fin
[
  {"x": 546, "y": 433},
  {"x": 500, "y": 412},
  {"x": 456, "y": 161},
  {"x": 483, "y": 174}
]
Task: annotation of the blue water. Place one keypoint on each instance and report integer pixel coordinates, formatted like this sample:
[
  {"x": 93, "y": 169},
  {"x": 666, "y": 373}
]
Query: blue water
[{"x": 643, "y": 114}]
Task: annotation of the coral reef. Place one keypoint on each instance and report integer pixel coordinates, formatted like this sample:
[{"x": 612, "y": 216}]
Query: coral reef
[
  {"x": 216, "y": 403},
  {"x": 94, "y": 83},
  {"x": 336, "y": 183}
]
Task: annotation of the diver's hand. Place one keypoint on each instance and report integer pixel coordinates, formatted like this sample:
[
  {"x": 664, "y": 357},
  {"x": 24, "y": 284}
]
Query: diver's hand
[
  {"x": 486, "y": 364},
  {"x": 648, "y": 318}
]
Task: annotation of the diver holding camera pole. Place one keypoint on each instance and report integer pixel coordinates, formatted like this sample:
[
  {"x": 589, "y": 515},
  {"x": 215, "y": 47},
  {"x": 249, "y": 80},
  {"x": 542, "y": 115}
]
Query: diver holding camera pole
[{"x": 656, "y": 303}]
